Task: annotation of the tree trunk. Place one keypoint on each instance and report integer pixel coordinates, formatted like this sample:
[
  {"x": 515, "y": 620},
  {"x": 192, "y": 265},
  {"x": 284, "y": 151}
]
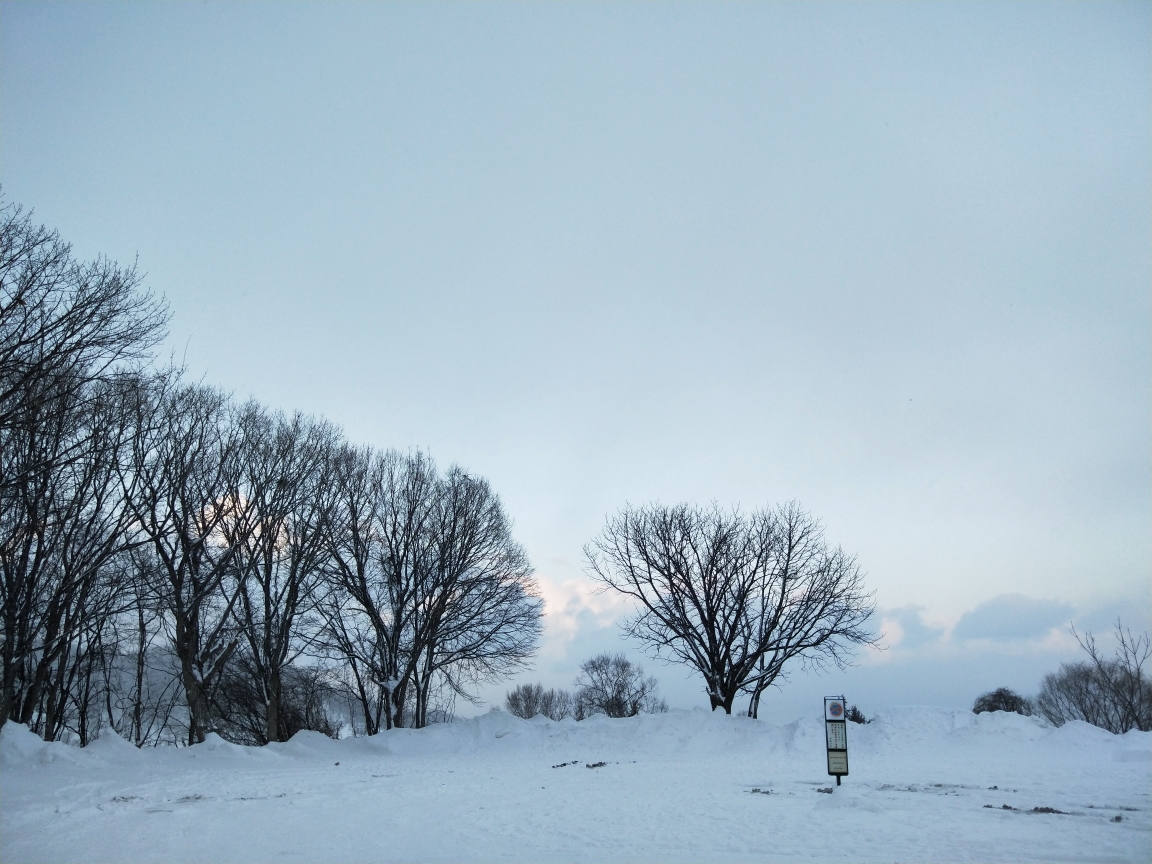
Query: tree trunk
[
  {"x": 8, "y": 695},
  {"x": 138, "y": 702},
  {"x": 754, "y": 703},
  {"x": 43, "y": 669},
  {"x": 197, "y": 704},
  {"x": 272, "y": 707}
]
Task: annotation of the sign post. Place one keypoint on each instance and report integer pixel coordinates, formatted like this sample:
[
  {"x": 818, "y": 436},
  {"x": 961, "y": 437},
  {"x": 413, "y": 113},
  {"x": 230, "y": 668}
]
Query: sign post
[{"x": 836, "y": 735}]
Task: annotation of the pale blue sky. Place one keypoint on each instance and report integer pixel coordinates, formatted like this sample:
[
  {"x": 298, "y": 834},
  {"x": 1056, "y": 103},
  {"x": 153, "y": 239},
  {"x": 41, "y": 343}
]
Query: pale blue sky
[{"x": 891, "y": 261}]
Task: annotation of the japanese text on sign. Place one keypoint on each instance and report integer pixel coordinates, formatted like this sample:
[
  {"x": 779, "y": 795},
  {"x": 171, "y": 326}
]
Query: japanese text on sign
[{"x": 837, "y": 737}]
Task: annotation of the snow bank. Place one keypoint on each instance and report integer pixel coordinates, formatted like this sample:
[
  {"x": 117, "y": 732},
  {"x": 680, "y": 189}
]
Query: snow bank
[
  {"x": 926, "y": 784},
  {"x": 20, "y": 748}
]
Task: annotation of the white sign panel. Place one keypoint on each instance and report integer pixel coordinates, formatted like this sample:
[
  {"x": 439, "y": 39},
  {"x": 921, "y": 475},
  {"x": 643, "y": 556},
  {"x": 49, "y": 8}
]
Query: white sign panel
[
  {"x": 837, "y": 736},
  {"x": 838, "y": 763},
  {"x": 834, "y": 709}
]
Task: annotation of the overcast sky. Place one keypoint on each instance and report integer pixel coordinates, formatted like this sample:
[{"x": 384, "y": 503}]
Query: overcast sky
[{"x": 890, "y": 261}]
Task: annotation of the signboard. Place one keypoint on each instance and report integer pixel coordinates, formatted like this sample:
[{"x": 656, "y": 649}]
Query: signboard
[
  {"x": 834, "y": 708},
  {"x": 836, "y": 736}
]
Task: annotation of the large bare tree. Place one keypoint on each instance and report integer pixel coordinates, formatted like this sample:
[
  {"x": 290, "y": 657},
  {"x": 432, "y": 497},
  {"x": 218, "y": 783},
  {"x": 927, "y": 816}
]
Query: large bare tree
[
  {"x": 737, "y": 597},
  {"x": 62, "y": 526},
  {"x": 428, "y": 585},
  {"x": 378, "y": 545},
  {"x": 476, "y": 609},
  {"x": 67, "y": 329},
  {"x": 281, "y": 559},
  {"x": 186, "y": 500}
]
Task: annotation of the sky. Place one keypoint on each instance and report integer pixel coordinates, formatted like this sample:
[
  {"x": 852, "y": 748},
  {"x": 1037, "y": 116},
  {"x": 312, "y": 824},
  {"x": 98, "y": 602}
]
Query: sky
[{"x": 890, "y": 261}]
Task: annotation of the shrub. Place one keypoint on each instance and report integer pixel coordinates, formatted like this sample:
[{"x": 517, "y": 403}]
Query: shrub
[
  {"x": 1003, "y": 699},
  {"x": 855, "y": 715}
]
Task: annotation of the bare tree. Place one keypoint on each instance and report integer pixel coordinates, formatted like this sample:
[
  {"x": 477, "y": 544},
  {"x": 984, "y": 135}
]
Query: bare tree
[
  {"x": 528, "y": 700},
  {"x": 1122, "y": 677},
  {"x": 184, "y": 480},
  {"x": 142, "y": 675},
  {"x": 306, "y": 692},
  {"x": 1112, "y": 693},
  {"x": 63, "y": 324},
  {"x": 429, "y": 589},
  {"x": 66, "y": 330},
  {"x": 1074, "y": 693},
  {"x": 349, "y": 642},
  {"x": 378, "y": 543},
  {"x": 611, "y": 684},
  {"x": 62, "y": 527},
  {"x": 280, "y": 561},
  {"x": 476, "y": 614},
  {"x": 735, "y": 597}
]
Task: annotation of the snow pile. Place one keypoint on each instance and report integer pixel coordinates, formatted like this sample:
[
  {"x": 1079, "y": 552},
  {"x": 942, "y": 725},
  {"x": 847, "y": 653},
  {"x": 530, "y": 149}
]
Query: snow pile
[{"x": 925, "y": 785}]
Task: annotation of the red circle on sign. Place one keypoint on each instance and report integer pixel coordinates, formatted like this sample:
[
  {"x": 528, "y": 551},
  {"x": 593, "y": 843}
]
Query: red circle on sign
[{"x": 835, "y": 709}]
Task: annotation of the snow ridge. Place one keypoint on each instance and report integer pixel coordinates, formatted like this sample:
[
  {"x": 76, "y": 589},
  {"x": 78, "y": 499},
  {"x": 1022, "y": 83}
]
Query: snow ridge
[{"x": 926, "y": 784}]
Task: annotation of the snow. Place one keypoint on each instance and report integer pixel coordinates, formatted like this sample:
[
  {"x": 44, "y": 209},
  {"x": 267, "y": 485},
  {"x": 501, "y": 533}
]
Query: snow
[{"x": 927, "y": 784}]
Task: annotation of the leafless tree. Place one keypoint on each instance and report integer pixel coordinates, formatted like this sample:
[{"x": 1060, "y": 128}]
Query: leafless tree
[
  {"x": 736, "y": 597},
  {"x": 62, "y": 527},
  {"x": 304, "y": 702},
  {"x": 142, "y": 675},
  {"x": 281, "y": 559},
  {"x": 430, "y": 590},
  {"x": 528, "y": 700},
  {"x": 476, "y": 614},
  {"x": 67, "y": 330},
  {"x": 1112, "y": 693},
  {"x": 378, "y": 545},
  {"x": 185, "y": 497},
  {"x": 611, "y": 684},
  {"x": 63, "y": 324},
  {"x": 348, "y": 641}
]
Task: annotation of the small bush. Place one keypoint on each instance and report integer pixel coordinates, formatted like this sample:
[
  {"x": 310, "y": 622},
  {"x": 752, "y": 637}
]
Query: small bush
[
  {"x": 855, "y": 715},
  {"x": 1003, "y": 699}
]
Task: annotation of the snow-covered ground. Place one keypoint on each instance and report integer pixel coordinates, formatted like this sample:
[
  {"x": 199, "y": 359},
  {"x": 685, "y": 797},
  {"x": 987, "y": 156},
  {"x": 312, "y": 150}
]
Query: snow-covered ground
[{"x": 926, "y": 785}]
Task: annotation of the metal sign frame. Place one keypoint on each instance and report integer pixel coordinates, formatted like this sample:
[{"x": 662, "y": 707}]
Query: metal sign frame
[{"x": 836, "y": 735}]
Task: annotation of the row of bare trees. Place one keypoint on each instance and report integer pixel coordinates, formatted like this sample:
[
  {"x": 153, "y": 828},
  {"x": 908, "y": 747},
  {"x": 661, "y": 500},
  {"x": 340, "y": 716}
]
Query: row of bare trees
[{"x": 175, "y": 563}]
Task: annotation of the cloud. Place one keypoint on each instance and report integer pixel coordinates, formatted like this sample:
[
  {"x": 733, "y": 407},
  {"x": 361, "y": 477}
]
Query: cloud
[
  {"x": 914, "y": 632},
  {"x": 1011, "y": 617}
]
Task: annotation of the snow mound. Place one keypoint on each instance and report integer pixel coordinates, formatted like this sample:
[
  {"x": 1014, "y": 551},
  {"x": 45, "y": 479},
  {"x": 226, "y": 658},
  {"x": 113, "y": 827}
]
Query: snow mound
[
  {"x": 110, "y": 746},
  {"x": 20, "y": 746},
  {"x": 926, "y": 784},
  {"x": 1078, "y": 733}
]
